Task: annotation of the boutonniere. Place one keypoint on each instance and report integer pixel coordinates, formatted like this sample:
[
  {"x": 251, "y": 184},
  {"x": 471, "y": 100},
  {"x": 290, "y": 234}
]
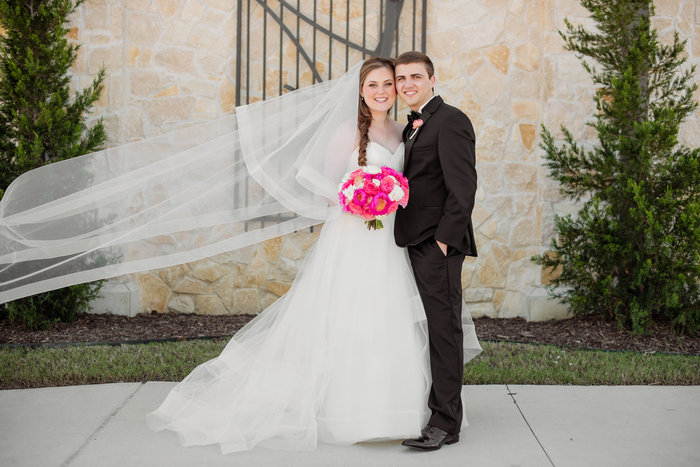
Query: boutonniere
[{"x": 417, "y": 123}]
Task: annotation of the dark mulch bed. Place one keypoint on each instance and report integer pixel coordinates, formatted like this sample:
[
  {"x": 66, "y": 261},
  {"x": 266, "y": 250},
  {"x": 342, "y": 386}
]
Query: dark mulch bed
[
  {"x": 110, "y": 329},
  {"x": 583, "y": 332},
  {"x": 587, "y": 332}
]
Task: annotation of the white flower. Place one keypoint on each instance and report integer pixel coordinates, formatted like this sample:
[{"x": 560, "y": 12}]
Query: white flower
[
  {"x": 349, "y": 192},
  {"x": 342, "y": 182},
  {"x": 371, "y": 169},
  {"x": 376, "y": 182},
  {"x": 396, "y": 193}
]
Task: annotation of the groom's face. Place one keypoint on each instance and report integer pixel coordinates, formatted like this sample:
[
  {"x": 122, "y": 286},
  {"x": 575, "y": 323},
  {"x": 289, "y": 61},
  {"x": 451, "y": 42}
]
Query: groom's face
[{"x": 413, "y": 84}]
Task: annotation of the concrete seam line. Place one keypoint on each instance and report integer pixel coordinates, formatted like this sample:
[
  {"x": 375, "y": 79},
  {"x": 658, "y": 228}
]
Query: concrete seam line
[
  {"x": 72, "y": 457},
  {"x": 512, "y": 396}
]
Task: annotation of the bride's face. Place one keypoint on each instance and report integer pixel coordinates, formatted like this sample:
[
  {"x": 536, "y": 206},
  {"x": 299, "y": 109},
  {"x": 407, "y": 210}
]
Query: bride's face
[{"x": 378, "y": 90}]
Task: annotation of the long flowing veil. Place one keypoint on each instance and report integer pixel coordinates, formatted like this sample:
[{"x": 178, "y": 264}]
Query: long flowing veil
[{"x": 270, "y": 169}]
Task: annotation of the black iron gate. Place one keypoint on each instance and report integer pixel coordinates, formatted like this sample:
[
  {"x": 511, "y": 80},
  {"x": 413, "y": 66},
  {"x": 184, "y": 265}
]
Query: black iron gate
[{"x": 283, "y": 45}]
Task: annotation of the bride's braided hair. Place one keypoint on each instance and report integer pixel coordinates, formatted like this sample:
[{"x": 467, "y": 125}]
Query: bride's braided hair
[{"x": 364, "y": 116}]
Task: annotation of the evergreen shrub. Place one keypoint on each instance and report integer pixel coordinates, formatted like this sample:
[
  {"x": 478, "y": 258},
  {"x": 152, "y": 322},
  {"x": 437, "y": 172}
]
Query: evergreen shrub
[
  {"x": 40, "y": 122},
  {"x": 632, "y": 252}
]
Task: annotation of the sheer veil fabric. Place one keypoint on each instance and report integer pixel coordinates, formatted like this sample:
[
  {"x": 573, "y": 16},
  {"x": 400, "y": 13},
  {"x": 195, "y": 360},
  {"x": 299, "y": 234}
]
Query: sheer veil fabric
[{"x": 270, "y": 169}]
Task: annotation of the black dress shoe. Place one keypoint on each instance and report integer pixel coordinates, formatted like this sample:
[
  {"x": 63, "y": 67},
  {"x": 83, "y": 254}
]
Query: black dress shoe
[{"x": 431, "y": 439}]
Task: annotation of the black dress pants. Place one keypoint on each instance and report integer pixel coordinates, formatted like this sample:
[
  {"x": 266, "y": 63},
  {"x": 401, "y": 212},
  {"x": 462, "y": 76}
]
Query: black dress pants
[{"x": 439, "y": 283}]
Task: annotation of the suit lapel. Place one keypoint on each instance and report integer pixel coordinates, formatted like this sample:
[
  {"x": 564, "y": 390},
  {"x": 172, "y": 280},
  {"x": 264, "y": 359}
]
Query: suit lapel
[{"x": 428, "y": 111}]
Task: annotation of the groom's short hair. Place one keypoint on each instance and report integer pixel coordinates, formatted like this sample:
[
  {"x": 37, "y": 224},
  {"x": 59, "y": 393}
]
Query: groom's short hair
[{"x": 416, "y": 57}]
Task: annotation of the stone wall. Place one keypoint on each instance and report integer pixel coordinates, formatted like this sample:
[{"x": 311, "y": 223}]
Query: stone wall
[{"x": 170, "y": 63}]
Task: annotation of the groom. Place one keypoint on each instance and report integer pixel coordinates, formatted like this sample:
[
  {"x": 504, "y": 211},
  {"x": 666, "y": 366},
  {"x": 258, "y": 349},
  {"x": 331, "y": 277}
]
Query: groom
[{"x": 436, "y": 227}]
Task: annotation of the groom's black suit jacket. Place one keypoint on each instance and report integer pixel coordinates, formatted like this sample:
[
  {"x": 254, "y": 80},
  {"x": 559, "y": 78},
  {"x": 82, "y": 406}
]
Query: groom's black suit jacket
[{"x": 440, "y": 165}]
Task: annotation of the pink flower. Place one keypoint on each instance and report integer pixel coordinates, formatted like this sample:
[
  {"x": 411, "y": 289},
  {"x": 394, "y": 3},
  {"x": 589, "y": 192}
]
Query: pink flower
[
  {"x": 416, "y": 125},
  {"x": 370, "y": 187},
  {"x": 387, "y": 184},
  {"x": 359, "y": 198},
  {"x": 355, "y": 209},
  {"x": 380, "y": 204},
  {"x": 404, "y": 183}
]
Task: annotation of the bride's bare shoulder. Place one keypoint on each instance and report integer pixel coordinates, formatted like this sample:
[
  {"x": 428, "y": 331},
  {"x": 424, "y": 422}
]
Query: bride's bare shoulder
[{"x": 397, "y": 127}]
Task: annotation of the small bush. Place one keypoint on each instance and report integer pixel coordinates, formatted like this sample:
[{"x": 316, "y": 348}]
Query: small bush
[{"x": 40, "y": 311}]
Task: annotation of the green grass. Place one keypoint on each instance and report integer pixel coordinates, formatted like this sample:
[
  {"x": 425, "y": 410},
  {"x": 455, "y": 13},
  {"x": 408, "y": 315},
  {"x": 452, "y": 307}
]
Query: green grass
[
  {"x": 500, "y": 363},
  {"x": 505, "y": 362},
  {"x": 63, "y": 366}
]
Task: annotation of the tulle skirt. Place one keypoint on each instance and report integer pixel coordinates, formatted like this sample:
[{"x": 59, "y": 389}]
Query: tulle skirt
[{"x": 342, "y": 357}]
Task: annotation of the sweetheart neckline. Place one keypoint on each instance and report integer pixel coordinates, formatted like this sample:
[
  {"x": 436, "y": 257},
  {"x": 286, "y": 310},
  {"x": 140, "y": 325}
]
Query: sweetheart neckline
[{"x": 387, "y": 149}]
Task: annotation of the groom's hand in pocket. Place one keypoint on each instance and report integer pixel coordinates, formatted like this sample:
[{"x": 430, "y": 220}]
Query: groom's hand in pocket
[{"x": 443, "y": 247}]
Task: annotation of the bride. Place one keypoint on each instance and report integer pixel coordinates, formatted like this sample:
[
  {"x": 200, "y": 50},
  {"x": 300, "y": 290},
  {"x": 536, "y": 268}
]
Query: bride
[{"x": 342, "y": 357}]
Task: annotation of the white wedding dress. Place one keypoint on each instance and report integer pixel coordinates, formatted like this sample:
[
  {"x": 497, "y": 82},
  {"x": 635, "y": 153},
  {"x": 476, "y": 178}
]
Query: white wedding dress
[{"x": 342, "y": 357}]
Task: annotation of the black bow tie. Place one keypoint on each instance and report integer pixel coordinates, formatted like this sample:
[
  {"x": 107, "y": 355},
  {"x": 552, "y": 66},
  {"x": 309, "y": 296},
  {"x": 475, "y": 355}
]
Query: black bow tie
[{"x": 413, "y": 116}]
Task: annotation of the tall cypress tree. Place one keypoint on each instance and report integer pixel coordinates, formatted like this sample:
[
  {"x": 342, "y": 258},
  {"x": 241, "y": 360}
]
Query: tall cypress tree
[
  {"x": 632, "y": 252},
  {"x": 40, "y": 122}
]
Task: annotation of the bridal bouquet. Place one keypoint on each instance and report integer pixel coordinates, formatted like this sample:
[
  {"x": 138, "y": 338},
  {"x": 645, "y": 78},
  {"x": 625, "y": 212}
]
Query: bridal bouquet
[{"x": 373, "y": 193}]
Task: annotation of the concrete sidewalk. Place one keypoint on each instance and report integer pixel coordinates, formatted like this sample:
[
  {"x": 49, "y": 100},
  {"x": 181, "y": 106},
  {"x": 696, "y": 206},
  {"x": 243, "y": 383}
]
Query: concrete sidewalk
[{"x": 103, "y": 425}]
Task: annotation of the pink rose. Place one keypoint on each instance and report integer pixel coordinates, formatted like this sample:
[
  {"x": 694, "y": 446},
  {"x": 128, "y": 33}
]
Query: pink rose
[
  {"x": 370, "y": 187},
  {"x": 355, "y": 209},
  {"x": 387, "y": 184}
]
